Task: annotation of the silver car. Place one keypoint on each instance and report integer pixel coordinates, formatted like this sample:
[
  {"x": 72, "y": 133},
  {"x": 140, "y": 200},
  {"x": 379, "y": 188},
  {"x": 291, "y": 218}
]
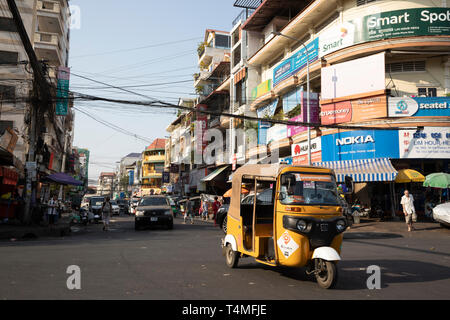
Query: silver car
[{"x": 441, "y": 214}]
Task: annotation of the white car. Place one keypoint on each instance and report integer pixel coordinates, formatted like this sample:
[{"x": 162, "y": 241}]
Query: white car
[
  {"x": 115, "y": 208},
  {"x": 441, "y": 214}
]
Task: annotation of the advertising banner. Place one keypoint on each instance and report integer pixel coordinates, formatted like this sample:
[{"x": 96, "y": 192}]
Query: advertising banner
[
  {"x": 431, "y": 143},
  {"x": 268, "y": 110},
  {"x": 355, "y": 110},
  {"x": 301, "y": 99},
  {"x": 361, "y": 144},
  {"x": 336, "y": 78},
  {"x": 406, "y": 23},
  {"x": 262, "y": 89},
  {"x": 276, "y": 133},
  {"x": 300, "y": 151},
  {"x": 419, "y": 107},
  {"x": 262, "y": 132},
  {"x": 296, "y": 62},
  {"x": 337, "y": 38},
  {"x": 62, "y": 92},
  {"x": 386, "y": 25}
]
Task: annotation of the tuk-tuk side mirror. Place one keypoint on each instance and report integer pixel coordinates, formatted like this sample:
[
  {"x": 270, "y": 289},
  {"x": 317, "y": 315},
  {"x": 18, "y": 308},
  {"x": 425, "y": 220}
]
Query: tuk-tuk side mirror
[
  {"x": 349, "y": 185},
  {"x": 281, "y": 195}
]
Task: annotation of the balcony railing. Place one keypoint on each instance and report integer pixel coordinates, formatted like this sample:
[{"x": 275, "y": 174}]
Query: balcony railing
[{"x": 243, "y": 16}]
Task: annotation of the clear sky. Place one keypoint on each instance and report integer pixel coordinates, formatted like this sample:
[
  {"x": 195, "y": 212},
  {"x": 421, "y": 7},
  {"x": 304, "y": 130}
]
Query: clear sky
[{"x": 170, "y": 31}]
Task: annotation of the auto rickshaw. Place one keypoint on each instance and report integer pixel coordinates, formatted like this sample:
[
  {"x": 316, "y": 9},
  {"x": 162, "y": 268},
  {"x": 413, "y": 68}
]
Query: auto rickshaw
[{"x": 293, "y": 218}]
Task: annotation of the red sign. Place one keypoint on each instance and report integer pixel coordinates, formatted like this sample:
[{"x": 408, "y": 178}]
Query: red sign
[
  {"x": 355, "y": 110},
  {"x": 200, "y": 128}
]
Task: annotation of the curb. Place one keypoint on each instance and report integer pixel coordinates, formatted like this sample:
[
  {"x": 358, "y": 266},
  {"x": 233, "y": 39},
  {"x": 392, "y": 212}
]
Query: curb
[{"x": 32, "y": 232}]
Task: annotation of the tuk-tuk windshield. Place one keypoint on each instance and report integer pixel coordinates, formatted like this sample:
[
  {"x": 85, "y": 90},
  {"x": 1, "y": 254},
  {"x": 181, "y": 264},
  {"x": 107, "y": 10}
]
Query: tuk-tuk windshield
[{"x": 308, "y": 189}]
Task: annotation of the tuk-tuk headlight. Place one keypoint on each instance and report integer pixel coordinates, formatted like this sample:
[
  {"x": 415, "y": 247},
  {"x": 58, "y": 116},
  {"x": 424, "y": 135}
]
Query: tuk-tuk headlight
[
  {"x": 302, "y": 225},
  {"x": 341, "y": 225}
]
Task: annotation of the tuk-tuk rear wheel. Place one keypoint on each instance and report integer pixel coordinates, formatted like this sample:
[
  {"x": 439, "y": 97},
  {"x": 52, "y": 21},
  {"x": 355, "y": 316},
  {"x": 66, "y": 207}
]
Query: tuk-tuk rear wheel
[
  {"x": 231, "y": 256},
  {"x": 326, "y": 273}
]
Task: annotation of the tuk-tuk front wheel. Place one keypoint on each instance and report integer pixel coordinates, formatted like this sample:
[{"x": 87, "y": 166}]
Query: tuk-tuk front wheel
[
  {"x": 231, "y": 256},
  {"x": 326, "y": 273}
]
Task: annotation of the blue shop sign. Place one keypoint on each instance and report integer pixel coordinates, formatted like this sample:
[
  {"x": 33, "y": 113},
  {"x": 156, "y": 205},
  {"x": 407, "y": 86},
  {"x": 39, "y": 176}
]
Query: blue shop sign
[
  {"x": 419, "y": 107},
  {"x": 131, "y": 178},
  {"x": 297, "y": 62},
  {"x": 362, "y": 144}
]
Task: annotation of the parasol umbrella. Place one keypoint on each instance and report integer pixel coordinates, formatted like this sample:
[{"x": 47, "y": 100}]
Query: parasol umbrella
[
  {"x": 408, "y": 175},
  {"x": 437, "y": 180},
  {"x": 228, "y": 193}
]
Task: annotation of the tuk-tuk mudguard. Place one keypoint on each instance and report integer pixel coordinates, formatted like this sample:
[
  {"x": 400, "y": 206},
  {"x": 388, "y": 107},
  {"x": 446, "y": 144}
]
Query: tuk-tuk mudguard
[
  {"x": 229, "y": 239},
  {"x": 326, "y": 253}
]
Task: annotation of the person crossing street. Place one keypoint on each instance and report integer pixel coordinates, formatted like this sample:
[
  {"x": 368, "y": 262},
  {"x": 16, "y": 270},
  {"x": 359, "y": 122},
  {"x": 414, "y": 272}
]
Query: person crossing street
[{"x": 106, "y": 213}]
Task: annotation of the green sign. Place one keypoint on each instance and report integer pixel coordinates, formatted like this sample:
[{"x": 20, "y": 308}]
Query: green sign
[
  {"x": 62, "y": 95},
  {"x": 406, "y": 23}
]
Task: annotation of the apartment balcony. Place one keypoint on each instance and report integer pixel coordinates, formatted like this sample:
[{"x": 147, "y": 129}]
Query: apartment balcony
[
  {"x": 51, "y": 16},
  {"x": 47, "y": 47},
  {"x": 154, "y": 159},
  {"x": 210, "y": 53}
]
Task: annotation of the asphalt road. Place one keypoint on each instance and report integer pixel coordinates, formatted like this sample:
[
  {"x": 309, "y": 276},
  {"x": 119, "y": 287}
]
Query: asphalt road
[{"x": 187, "y": 263}]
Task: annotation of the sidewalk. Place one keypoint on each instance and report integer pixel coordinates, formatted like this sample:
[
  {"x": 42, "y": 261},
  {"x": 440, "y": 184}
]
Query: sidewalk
[{"x": 20, "y": 232}]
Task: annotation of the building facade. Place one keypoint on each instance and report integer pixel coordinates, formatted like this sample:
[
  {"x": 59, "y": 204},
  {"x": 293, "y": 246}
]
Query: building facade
[{"x": 153, "y": 159}]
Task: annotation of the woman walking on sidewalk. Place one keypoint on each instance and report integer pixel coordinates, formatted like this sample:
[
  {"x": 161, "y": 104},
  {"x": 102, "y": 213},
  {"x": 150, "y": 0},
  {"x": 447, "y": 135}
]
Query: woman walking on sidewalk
[
  {"x": 106, "y": 214},
  {"x": 408, "y": 209}
]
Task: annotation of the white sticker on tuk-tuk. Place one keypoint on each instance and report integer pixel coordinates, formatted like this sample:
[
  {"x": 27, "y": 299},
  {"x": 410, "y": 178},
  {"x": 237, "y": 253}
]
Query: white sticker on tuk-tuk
[{"x": 287, "y": 245}]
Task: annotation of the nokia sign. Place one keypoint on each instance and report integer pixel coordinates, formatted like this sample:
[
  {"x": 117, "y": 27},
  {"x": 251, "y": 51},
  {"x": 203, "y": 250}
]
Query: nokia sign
[{"x": 355, "y": 140}]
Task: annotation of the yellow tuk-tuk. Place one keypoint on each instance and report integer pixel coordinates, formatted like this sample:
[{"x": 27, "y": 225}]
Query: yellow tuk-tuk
[{"x": 291, "y": 217}]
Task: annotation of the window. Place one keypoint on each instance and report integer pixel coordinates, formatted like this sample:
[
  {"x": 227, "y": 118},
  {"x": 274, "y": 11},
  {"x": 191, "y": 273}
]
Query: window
[
  {"x": 363, "y": 2},
  {"x": 406, "y": 66},
  {"x": 223, "y": 41},
  {"x": 9, "y": 58},
  {"x": 241, "y": 92},
  {"x": 7, "y": 24},
  {"x": 427, "y": 92},
  {"x": 7, "y": 92}
]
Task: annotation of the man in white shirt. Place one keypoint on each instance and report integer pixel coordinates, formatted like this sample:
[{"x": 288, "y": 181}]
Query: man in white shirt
[
  {"x": 408, "y": 209},
  {"x": 52, "y": 210}
]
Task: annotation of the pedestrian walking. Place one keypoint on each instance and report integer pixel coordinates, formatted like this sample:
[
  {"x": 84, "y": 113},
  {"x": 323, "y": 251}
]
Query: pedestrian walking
[
  {"x": 188, "y": 211},
  {"x": 205, "y": 210},
  {"x": 216, "y": 205},
  {"x": 408, "y": 209},
  {"x": 52, "y": 212},
  {"x": 106, "y": 213}
]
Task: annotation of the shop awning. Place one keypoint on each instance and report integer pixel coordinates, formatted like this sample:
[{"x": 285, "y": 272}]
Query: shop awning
[
  {"x": 214, "y": 174},
  {"x": 367, "y": 170},
  {"x": 63, "y": 178},
  {"x": 409, "y": 175}
]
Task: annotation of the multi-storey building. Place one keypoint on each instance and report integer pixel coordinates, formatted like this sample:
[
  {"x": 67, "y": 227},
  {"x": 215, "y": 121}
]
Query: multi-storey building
[
  {"x": 153, "y": 167},
  {"x": 105, "y": 185},
  {"x": 47, "y": 25},
  {"x": 374, "y": 64}
]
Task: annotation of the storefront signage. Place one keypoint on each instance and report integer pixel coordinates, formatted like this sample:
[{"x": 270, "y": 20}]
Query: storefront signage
[
  {"x": 300, "y": 151},
  {"x": 355, "y": 110},
  {"x": 361, "y": 144},
  {"x": 387, "y": 25},
  {"x": 262, "y": 89},
  {"x": 337, "y": 38},
  {"x": 406, "y": 23},
  {"x": 62, "y": 93},
  {"x": 296, "y": 62},
  {"x": 419, "y": 107},
  {"x": 431, "y": 143}
]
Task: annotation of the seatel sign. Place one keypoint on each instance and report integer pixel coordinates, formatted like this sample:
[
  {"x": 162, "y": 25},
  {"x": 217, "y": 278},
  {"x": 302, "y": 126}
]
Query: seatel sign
[{"x": 419, "y": 107}]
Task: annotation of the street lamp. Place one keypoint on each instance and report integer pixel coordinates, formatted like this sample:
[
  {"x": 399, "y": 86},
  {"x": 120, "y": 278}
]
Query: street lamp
[{"x": 307, "y": 89}]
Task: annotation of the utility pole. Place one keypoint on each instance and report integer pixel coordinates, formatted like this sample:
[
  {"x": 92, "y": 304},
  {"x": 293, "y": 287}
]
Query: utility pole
[
  {"x": 63, "y": 166},
  {"x": 40, "y": 102}
]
